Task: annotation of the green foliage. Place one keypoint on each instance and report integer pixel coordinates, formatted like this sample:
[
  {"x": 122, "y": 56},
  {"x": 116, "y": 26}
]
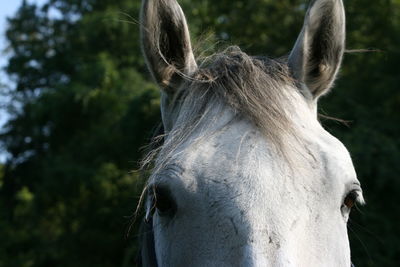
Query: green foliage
[
  {"x": 82, "y": 111},
  {"x": 367, "y": 94},
  {"x": 83, "y": 107}
]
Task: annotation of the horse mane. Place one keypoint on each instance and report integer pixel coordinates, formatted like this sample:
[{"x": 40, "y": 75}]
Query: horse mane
[{"x": 255, "y": 88}]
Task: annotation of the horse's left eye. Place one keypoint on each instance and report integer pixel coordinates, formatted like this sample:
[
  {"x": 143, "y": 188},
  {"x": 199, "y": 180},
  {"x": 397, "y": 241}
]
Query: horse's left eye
[{"x": 351, "y": 199}]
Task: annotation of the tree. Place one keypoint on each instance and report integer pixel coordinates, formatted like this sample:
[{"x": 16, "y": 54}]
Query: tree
[{"x": 82, "y": 111}]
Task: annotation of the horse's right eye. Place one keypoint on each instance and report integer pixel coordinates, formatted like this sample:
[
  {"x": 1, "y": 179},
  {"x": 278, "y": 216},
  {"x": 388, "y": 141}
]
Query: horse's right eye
[{"x": 163, "y": 201}]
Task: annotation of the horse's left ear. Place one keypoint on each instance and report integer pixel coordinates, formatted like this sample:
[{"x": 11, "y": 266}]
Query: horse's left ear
[
  {"x": 318, "y": 52},
  {"x": 166, "y": 43}
]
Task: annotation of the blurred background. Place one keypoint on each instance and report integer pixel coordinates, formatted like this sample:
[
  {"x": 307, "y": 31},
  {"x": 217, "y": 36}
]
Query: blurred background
[{"x": 77, "y": 105}]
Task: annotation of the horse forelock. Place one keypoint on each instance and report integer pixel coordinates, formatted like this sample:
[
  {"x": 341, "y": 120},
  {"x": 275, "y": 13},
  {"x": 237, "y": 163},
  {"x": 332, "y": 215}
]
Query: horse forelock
[{"x": 257, "y": 88}]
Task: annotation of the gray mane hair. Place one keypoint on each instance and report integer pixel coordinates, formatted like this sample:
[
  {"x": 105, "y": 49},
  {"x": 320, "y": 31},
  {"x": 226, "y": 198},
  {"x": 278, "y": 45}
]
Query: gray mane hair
[{"x": 255, "y": 88}]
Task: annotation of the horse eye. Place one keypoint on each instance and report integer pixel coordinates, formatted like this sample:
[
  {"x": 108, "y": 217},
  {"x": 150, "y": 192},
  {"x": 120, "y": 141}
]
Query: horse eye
[
  {"x": 163, "y": 201},
  {"x": 351, "y": 199}
]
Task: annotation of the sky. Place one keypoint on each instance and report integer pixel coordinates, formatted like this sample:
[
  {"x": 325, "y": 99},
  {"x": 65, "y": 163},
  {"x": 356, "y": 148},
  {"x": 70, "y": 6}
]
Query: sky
[{"x": 7, "y": 9}]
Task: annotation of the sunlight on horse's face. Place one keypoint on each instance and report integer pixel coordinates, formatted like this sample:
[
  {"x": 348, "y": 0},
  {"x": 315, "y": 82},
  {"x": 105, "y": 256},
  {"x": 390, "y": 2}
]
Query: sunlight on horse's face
[
  {"x": 237, "y": 204},
  {"x": 223, "y": 196}
]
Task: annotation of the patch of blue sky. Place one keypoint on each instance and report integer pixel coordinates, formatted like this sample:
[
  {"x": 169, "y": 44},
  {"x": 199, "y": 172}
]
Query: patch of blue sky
[{"x": 7, "y": 9}]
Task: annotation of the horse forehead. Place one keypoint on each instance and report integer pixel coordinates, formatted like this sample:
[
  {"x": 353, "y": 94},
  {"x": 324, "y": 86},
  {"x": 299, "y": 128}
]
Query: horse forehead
[
  {"x": 334, "y": 157},
  {"x": 231, "y": 147},
  {"x": 241, "y": 147}
]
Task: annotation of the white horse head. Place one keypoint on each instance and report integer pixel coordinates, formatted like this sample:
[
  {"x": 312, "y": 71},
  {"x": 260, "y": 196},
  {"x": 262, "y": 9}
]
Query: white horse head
[{"x": 246, "y": 176}]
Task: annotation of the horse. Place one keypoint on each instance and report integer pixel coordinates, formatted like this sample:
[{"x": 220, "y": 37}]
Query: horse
[{"x": 246, "y": 174}]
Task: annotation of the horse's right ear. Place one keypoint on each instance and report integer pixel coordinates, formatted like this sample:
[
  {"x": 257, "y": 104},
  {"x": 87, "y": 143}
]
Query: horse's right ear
[{"x": 166, "y": 43}]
